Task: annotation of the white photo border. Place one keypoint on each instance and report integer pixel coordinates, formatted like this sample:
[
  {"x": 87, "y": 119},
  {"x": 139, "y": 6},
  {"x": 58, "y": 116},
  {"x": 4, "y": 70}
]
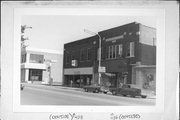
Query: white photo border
[{"x": 160, "y": 64}]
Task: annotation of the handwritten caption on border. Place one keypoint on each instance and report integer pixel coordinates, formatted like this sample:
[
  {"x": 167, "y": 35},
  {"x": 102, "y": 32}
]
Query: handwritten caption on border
[
  {"x": 68, "y": 116},
  {"x": 75, "y": 116},
  {"x": 124, "y": 116}
]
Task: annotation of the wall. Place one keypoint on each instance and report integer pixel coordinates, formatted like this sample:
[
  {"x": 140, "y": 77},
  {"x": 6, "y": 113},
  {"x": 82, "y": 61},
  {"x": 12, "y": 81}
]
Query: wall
[
  {"x": 147, "y": 45},
  {"x": 74, "y": 49}
]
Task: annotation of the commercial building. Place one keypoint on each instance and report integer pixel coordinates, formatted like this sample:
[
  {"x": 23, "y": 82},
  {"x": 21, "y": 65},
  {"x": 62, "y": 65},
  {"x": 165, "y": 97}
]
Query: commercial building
[
  {"x": 128, "y": 55},
  {"x": 41, "y": 66}
]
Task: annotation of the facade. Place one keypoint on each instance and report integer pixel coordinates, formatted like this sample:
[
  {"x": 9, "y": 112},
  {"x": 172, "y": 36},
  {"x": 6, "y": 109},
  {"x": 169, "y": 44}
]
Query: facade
[
  {"x": 41, "y": 66},
  {"x": 128, "y": 54}
]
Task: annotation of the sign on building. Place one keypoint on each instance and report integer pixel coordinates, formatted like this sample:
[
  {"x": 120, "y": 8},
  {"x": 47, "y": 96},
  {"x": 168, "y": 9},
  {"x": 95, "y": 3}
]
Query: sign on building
[
  {"x": 102, "y": 69},
  {"x": 74, "y": 63}
]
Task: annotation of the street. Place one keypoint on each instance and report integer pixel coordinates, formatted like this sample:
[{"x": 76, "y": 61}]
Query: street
[{"x": 50, "y": 95}]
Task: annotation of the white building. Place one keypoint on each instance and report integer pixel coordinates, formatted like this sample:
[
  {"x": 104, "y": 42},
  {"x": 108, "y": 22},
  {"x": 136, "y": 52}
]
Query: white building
[{"x": 39, "y": 65}]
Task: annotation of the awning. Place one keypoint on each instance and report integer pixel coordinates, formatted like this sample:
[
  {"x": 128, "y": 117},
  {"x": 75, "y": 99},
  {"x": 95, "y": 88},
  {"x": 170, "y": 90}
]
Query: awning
[{"x": 78, "y": 71}]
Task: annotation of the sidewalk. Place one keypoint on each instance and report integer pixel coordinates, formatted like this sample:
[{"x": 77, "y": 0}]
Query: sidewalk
[{"x": 50, "y": 86}]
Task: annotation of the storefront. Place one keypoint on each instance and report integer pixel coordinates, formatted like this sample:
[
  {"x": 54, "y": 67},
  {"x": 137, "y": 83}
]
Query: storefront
[
  {"x": 35, "y": 74},
  {"x": 78, "y": 77}
]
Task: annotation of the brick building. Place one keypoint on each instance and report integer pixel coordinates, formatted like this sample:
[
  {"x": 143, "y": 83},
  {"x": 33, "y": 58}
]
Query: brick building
[{"x": 128, "y": 53}]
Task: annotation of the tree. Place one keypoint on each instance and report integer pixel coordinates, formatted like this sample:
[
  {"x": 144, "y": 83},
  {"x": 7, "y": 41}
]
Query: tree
[{"x": 23, "y": 28}]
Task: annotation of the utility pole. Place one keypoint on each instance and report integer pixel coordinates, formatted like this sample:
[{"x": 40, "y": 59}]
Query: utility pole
[{"x": 99, "y": 52}]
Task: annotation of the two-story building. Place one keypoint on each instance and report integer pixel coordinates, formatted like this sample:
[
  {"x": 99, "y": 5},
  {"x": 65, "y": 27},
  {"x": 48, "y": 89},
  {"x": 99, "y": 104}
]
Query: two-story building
[
  {"x": 41, "y": 66},
  {"x": 128, "y": 53}
]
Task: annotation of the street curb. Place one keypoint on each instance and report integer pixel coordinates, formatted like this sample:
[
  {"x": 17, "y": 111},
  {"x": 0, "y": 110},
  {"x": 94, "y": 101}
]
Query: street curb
[{"x": 51, "y": 86}]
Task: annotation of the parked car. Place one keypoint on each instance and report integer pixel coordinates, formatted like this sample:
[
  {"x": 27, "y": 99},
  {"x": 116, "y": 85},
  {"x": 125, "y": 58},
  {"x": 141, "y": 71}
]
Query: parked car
[
  {"x": 96, "y": 89},
  {"x": 22, "y": 86},
  {"x": 127, "y": 90}
]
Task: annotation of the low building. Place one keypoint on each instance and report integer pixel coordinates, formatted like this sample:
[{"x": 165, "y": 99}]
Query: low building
[
  {"x": 128, "y": 55},
  {"x": 41, "y": 66}
]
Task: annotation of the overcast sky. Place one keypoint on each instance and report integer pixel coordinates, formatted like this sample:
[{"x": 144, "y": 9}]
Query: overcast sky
[{"x": 52, "y": 31}]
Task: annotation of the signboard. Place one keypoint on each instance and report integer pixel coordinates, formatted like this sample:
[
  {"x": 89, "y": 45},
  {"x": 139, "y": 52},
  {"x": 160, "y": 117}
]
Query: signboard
[
  {"x": 102, "y": 69},
  {"x": 115, "y": 38},
  {"x": 74, "y": 63}
]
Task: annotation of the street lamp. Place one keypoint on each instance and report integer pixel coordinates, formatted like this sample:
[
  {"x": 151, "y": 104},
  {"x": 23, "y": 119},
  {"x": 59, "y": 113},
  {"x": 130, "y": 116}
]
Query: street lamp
[{"x": 99, "y": 52}]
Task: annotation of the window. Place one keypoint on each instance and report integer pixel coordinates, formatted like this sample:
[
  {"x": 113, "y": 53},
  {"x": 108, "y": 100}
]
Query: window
[
  {"x": 35, "y": 58},
  {"x": 83, "y": 54},
  {"x": 120, "y": 53},
  {"x": 114, "y": 51},
  {"x": 110, "y": 52},
  {"x": 88, "y": 54},
  {"x": 119, "y": 50},
  {"x": 130, "y": 49},
  {"x": 67, "y": 58}
]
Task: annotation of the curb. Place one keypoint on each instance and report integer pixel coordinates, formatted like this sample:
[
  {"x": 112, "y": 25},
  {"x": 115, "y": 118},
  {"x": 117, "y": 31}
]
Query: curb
[{"x": 51, "y": 86}]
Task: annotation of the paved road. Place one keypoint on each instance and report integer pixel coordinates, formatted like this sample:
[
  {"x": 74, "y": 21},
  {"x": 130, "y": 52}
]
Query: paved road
[{"x": 64, "y": 96}]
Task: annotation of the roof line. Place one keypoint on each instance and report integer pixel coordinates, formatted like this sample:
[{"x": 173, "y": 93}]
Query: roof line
[{"x": 44, "y": 50}]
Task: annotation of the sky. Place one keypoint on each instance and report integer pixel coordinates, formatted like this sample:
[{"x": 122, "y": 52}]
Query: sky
[{"x": 52, "y": 31}]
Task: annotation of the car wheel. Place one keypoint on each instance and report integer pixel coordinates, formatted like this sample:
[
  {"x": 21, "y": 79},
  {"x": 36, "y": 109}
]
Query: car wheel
[
  {"x": 96, "y": 90},
  {"x": 114, "y": 92},
  {"x": 124, "y": 95},
  {"x": 143, "y": 96}
]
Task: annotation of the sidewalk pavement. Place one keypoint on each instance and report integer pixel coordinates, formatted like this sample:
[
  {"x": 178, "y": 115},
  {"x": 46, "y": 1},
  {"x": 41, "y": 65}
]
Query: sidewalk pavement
[{"x": 50, "y": 86}]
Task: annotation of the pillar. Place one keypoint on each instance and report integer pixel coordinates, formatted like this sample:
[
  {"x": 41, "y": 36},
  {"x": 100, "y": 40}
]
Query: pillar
[{"x": 26, "y": 75}]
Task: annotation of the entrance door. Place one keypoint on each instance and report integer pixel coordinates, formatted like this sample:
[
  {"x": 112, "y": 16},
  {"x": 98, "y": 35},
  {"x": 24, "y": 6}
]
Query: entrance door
[{"x": 35, "y": 75}]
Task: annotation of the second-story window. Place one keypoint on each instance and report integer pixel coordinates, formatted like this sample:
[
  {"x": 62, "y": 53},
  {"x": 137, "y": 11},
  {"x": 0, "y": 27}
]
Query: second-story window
[
  {"x": 35, "y": 58},
  {"x": 67, "y": 58},
  {"x": 130, "y": 49},
  {"x": 119, "y": 50},
  {"x": 83, "y": 54},
  {"x": 114, "y": 51},
  {"x": 110, "y": 52},
  {"x": 89, "y": 54}
]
